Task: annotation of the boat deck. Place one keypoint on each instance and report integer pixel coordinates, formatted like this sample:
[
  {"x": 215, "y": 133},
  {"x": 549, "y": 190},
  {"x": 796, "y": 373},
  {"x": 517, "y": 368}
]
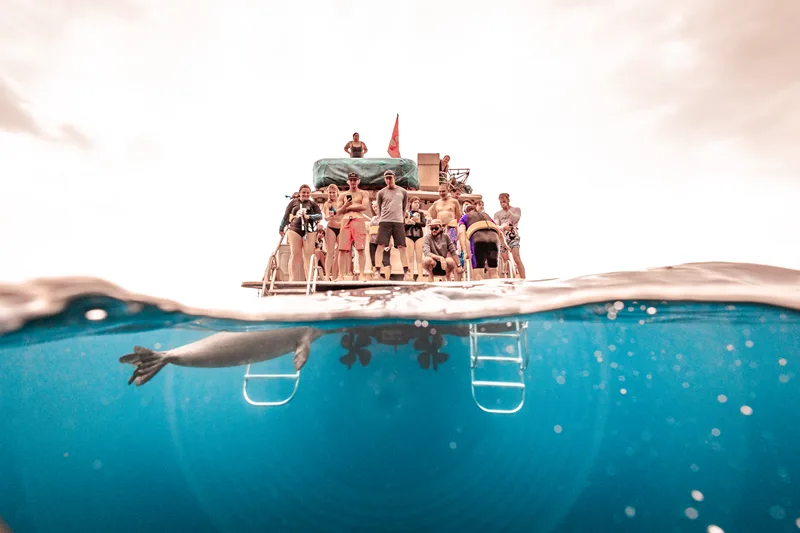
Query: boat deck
[{"x": 325, "y": 286}]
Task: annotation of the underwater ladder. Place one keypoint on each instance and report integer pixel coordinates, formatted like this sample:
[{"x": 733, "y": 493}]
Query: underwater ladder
[{"x": 517, "y": 340}]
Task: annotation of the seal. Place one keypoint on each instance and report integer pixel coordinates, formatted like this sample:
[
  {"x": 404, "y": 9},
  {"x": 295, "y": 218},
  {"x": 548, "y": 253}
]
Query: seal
[{"x": 225, "y": 349}]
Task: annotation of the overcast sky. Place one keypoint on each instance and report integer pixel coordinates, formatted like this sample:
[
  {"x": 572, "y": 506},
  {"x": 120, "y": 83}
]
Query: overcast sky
[{"x": 151, "y": 142}]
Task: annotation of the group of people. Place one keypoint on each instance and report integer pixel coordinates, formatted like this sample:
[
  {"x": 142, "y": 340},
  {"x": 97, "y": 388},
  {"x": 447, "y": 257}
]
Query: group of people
[{"x": 441, "y": 243}]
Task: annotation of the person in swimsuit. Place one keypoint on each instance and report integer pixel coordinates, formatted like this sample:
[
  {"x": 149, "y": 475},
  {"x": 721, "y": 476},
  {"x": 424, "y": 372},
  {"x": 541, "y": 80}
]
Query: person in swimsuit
[
  {"x": 448, "y": 210},
  {"x": 415, "y": 226},
  {"x": 356, "y": 148},
  {"x": 287, "y": 212},
  {"x": 334, "y": 221},
  {"x": 508, "y": 220},
  {"x": 353, "y": 204},
  {"x": 302, "y": 215},
  {"x": 484, "y": 241},
  {"x": 373, "y": 239}
]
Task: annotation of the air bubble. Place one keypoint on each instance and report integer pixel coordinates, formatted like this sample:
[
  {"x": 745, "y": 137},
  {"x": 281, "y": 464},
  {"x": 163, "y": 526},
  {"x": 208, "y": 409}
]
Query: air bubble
[
  {"x": 651, "y": 310},
  {"x": 691, "y": 513},
  {"x": 746, "y": 410},
  {"x": 96, "y": 314},
  {"x": 722, "y": 398},
  {"x": 697, "y": 495},
  {"x": 558, "y": 429},
  {"x": 777, "y": 512},
  {"x": 630, "y": 512}
]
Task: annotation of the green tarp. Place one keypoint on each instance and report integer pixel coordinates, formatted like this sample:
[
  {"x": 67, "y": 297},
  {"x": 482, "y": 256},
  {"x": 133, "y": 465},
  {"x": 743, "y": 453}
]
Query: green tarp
[{"x": 370, "y": 170}]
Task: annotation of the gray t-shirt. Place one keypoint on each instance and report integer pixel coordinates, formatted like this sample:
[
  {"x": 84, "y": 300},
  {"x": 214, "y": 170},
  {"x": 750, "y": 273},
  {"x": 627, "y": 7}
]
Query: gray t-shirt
[
  {"x": 511, "y": 216},
  {"x": 441, "y": 245},
  {"x": 392, "y": 204}
]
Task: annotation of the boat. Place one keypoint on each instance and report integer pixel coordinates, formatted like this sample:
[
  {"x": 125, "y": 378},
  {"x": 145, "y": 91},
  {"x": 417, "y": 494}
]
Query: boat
[
  {"x": 421, "y": 178},
  {"x": 504, "y": 342}
]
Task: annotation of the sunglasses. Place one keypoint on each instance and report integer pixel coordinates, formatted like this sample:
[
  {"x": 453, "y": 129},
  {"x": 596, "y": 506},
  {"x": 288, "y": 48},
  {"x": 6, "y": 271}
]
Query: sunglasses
[{"x": 435, "y": 228}]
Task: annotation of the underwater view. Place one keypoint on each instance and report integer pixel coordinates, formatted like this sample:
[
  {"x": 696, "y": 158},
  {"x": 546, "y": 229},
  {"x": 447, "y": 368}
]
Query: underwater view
[{"x": 592, "y": 413}]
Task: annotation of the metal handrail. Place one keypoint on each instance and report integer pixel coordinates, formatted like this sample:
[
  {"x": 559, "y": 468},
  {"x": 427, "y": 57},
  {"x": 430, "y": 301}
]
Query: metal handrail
[
  {"x": 313, "y": 273},
  {"x": 277, "y": 264}
]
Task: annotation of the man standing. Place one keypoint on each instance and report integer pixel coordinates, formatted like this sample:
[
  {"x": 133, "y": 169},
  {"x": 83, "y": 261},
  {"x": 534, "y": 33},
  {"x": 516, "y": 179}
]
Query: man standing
[
  {"x": 508, "y": 220},
  {"x": 448, "y": 210},
  {"x": 392, "y": 204},
  {"x": 352, "y": 204}
]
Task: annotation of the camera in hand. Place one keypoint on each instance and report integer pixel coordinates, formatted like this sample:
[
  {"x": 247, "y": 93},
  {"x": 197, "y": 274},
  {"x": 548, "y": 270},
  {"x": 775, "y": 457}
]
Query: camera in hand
[{"x": 512, "y": 232}]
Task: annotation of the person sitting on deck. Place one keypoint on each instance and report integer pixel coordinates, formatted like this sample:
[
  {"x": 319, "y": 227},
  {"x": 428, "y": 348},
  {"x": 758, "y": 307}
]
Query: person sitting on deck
[
  {"x": 352, "y": 205},
  {"x": 301, "y": 215},
  {"x": 356, "y": 148},
  {"x": 444, "y": 167},
  {"x": 392, "y": 204},
  {"x": 484, "y": 241},
  {"x": 320, "y": 250},
  {"x": 438, "y": 251}
]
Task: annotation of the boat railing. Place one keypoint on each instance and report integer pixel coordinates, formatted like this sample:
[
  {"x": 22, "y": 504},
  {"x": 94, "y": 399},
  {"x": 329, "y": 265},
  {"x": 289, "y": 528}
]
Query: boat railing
[
  {"x": 512, "y": 266},
  {"x": 274, "y": 265}
]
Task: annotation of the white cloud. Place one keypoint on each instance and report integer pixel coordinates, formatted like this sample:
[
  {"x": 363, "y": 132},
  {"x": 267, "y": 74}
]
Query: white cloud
[{"x": 201, "y": 116}]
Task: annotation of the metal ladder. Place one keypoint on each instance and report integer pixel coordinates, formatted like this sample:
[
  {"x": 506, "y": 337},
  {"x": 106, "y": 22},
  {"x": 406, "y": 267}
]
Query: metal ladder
[
  {"x": 311, "y": 288},
  {"x": 519, "y": 334},
  {"x": 248, "y": 376}
]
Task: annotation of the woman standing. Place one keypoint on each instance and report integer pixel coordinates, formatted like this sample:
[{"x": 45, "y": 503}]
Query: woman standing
[
  {"x": 355, "y": 147},
  {"x": 415, "y": 225},
  {"x": 334, "y": 221},
  {"x": 303, "y": 215}
]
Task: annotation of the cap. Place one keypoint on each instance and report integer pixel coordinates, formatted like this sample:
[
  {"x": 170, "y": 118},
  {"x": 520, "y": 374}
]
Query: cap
[
  {"x": 352, "y": 175},
  {"x": 388, "y": 173},
  {"x": 436, "y": 222}
]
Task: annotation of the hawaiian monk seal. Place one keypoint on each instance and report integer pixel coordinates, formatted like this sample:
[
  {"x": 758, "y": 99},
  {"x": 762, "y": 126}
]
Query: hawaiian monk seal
[{"x": 225, "y": 349}]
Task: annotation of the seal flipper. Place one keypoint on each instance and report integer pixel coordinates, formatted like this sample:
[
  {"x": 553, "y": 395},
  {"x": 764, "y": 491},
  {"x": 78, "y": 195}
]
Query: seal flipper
[
  {"x": 302, "y": 351},
  {"x": 147, "y": 363}
]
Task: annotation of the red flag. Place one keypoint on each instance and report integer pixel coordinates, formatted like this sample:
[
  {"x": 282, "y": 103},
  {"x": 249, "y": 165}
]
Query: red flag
[{"x": 394, "y": 144}]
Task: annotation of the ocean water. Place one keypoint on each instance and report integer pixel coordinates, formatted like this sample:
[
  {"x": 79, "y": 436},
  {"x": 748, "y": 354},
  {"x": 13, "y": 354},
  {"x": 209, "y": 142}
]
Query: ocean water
[{"x": 675, "y": 414}]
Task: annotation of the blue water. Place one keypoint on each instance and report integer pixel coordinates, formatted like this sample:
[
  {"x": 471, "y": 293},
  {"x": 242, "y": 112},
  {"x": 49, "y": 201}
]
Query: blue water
[{"x": 624, "y": 417}]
